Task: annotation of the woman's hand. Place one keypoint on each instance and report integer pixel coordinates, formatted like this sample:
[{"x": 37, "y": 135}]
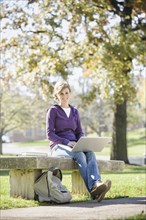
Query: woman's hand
[{"x": 71, "y": 144}]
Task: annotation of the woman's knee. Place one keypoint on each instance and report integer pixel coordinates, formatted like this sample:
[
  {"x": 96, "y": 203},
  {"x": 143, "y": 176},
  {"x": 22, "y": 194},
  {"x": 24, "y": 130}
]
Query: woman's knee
[
  {"x": 90, "y": 155},
  {"x": 79, "y": 156}
]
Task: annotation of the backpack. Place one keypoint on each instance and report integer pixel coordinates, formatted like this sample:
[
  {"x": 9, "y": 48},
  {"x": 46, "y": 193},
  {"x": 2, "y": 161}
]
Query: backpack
[{"x": 48, "y": 187}]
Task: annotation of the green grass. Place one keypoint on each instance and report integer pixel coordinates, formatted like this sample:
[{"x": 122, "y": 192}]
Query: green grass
[
  {"x": 135, "y": 217},
  {"x": 129, "y": 183},
  {"x": 136, "y": 144}
]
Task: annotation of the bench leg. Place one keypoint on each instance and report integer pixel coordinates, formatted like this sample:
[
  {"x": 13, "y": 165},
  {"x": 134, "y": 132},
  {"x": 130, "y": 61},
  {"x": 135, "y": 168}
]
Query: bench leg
[
  {"x": 22, "y": 183},
  {"x": 78, "y": 186}
]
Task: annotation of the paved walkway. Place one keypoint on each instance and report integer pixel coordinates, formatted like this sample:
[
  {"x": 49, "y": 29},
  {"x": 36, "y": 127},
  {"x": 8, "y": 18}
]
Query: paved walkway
[{"x": 91, "y": 210}]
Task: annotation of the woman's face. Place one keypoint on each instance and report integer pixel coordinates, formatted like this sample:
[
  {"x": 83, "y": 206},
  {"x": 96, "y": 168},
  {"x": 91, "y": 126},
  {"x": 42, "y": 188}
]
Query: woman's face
[{"x": 63, "y": 96}]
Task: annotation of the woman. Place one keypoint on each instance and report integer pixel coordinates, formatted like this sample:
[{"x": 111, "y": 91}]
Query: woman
[{"x": 64, "y": 129}]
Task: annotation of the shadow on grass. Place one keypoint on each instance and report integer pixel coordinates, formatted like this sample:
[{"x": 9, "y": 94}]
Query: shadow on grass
[
  {"x": 93, "y": 203},
  {"x": 132, "y": 168},
  {"x": 4, "y": 172},
  {"x": 134, "y": 142}
]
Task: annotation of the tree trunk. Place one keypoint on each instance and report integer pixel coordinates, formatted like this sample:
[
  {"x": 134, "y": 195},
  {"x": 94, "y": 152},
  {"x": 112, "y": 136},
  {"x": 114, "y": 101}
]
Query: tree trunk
[
  {"x": 119, "y": 145},
  {"x": 119, "y": 148},
  {"x": 1, "y": 146}
]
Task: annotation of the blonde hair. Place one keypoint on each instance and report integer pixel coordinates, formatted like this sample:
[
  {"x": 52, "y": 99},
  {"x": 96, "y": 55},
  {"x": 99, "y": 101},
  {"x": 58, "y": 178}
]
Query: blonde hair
[{"x": 59, "y": 86}]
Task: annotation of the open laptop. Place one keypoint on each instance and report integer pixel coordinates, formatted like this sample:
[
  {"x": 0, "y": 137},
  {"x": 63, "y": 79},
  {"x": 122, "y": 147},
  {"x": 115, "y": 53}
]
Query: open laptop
[
  {"x": 84, "y": 144},
  {"x": 95, "y": 144}
]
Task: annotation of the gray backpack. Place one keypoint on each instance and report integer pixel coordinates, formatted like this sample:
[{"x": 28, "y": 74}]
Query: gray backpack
[{"x": 48, "y": 187}]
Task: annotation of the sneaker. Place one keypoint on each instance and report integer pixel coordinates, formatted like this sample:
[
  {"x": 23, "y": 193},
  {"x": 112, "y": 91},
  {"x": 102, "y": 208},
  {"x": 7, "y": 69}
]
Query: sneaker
[
  {"x": 98, "y": 189},
  {"x": 100, "y": 197}
]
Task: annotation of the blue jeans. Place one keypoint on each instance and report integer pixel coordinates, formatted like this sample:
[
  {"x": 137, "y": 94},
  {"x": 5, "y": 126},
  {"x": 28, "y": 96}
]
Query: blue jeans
[{"x": 86, "y": 161}]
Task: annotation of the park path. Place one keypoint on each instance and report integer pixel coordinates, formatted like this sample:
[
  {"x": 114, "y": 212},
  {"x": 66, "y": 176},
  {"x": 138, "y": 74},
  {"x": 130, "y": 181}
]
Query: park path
[
  {"x": 13, "y": 148},
  {"x": 90, "y": 210}
]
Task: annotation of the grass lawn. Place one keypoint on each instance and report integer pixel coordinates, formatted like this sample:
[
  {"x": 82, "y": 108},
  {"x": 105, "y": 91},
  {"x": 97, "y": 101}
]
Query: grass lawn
[
  {"x": 136, "y": 144},
  {"x": 136, "y": 217}
]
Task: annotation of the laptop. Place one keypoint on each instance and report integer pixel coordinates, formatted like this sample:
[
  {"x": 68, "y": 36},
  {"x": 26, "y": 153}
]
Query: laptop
[{"x": 95, "y": 144}]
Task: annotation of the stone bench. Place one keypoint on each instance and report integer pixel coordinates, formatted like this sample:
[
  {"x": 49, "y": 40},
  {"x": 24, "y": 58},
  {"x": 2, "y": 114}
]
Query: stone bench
[{"x": 24, "y": 170}]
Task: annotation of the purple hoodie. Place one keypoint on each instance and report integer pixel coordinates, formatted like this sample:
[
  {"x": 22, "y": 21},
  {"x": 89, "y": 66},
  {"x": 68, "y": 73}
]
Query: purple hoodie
[{"x": 60, "y": 129}]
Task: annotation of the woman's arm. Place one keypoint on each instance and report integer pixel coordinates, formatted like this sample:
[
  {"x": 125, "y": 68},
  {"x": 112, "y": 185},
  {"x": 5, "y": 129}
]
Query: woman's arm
[
  {"x": 79, "y": 131},
  {"x": 50, "y": 128}
]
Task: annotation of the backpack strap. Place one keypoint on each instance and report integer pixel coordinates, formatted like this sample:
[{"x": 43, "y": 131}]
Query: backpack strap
[{"x": 56, "y": 172}]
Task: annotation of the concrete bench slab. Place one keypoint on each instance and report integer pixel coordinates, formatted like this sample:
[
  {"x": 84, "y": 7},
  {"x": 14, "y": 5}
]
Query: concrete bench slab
[{"x": 24, "y": 170}]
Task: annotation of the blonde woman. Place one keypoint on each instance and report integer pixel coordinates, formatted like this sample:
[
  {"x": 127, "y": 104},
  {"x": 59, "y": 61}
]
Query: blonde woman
[{"x": 63, "y": 128}]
